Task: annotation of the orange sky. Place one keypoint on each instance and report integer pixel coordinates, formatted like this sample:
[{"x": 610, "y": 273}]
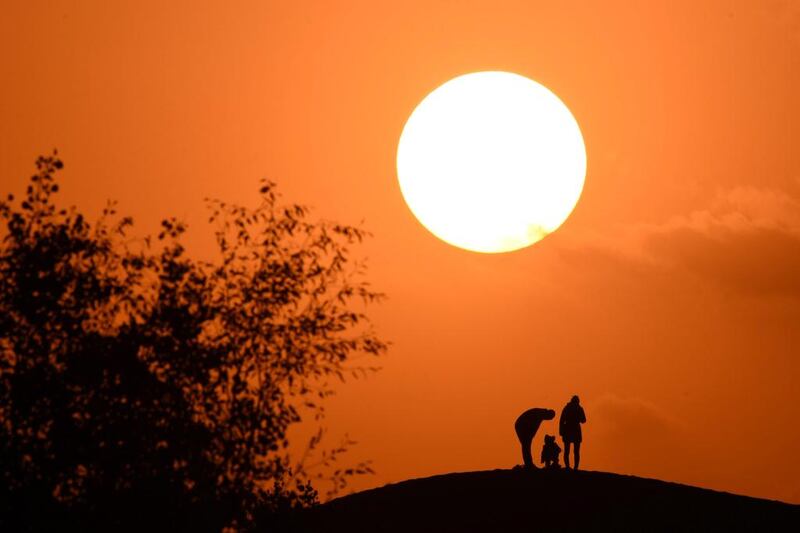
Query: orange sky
[{"x": 669, "y": 300}]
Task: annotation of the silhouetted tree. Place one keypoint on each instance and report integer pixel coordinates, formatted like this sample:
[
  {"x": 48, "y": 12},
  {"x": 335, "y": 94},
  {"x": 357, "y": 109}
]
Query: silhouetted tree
[{"x": 142, "y": 388}]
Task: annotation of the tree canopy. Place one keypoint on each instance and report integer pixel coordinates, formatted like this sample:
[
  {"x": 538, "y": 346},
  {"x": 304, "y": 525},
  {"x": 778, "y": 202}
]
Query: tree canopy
[{"x": 140, "y": 386}]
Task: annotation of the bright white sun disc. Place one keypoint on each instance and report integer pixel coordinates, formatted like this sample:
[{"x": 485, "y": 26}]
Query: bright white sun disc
[{"x": 491, "y": 162}]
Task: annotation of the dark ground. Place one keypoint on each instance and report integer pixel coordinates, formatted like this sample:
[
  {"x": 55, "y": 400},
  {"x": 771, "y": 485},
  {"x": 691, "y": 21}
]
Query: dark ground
[{"x": 553, "y": 500}]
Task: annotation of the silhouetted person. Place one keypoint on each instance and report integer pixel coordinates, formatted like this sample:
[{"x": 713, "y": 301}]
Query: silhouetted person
[
  {"x": 569, "y": 427},
  {"x": 550, "y": 452},
  {"x": 526, "y": 426}
]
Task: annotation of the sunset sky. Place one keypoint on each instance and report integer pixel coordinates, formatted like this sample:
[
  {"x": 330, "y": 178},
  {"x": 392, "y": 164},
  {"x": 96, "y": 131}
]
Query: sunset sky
[{"x": 669, "y": 300}]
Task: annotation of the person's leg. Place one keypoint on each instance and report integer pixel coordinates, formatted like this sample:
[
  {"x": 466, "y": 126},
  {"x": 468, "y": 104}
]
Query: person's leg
[
  {"x": 566, "y": 453},
  {"x": 525, "y": 441},
  {"x": 577, "y": 454},
  {"x": 526, "y": 451}
]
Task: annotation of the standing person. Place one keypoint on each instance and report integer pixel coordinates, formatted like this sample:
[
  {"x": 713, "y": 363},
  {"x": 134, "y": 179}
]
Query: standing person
[
  {"x": 569, "y": 427},
  {"x": 526, "y": 426}
]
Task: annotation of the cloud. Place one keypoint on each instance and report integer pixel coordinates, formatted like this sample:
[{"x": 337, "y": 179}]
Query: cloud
[
  {"x": 632, "y": 419},
  {"x": 747, "y": 240},
  {"x": 633, "y": 435}
]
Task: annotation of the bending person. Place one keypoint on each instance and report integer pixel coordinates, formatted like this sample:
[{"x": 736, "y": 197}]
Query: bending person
[
  {"x": 569, "y": 427},
  {"x": 526, "y": 426}
]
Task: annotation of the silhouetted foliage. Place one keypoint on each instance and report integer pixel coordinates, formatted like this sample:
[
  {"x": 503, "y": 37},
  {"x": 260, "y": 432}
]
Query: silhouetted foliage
[{"x": 142, "y": 388}]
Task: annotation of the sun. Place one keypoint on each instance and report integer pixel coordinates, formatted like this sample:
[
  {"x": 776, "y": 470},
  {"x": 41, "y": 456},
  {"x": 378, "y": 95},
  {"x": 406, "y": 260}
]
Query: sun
[{"x": 491, "y": 162}]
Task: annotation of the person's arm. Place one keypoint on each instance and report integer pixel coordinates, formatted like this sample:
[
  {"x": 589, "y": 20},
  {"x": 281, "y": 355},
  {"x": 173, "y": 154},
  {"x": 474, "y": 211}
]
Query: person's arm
[{"x": 583, "y": 416}]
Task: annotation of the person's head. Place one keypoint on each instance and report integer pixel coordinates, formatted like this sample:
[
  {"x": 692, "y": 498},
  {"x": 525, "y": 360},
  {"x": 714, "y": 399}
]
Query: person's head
[
  {"x": 549, "y": 414},
  {"x": 575, "y": 399},
  {"x": 549, "y": 438}
]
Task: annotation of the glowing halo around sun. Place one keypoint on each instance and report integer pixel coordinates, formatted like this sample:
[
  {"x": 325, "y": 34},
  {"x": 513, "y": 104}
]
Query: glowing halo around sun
[{"x": 491, "y": 162}]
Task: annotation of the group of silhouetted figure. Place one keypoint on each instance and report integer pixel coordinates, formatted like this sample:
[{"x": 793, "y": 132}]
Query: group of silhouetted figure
[{"x": 569, "y": 427}]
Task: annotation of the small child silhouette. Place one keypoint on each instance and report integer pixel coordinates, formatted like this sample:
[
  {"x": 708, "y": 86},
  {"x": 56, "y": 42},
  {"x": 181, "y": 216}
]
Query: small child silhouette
[{"x": 550, "y": 452}]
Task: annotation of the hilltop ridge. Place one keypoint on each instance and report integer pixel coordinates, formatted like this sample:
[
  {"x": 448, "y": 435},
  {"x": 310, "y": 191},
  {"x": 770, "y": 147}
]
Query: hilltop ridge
[{"x": 545, "y": 500}]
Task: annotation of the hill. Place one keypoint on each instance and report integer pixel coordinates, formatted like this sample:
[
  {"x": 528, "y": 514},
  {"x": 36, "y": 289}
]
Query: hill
[{"x": 545, "y": 500}]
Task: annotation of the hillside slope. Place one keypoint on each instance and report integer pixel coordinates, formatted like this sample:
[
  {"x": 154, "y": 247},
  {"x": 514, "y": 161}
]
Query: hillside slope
[{"x": 515, "y": 500}]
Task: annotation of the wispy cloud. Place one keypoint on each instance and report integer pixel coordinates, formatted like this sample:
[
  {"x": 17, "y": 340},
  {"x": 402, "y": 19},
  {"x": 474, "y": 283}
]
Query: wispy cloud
[{"x": 747, "y": 240}]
